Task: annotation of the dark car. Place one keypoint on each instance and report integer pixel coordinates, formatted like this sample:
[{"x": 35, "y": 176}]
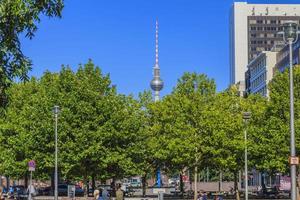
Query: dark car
[
  {"x": 45, "y": 191},
  {"x": 62, "y": 190},
  {"x": 270, "y": 192},
  {"x": 20, "y": 190}
]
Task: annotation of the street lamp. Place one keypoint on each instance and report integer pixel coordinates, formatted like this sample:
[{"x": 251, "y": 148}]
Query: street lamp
[
  {"x": 196, "y": 157},
  {"x": 290, "y": 35},
  {"x": 56, "y": 111},
  {"x": 246, "y": 117}
]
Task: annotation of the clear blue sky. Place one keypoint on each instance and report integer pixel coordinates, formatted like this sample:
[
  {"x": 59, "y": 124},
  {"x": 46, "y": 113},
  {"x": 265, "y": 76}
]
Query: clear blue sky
[{"x": 118, "y": 35}]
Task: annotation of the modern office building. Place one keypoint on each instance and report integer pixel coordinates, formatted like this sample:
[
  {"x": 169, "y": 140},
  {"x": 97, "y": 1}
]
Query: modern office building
[
  {"x": 253, "y": 29},
  {"x": 283, "y": 57},
  {"x": 260, "y": 72}
]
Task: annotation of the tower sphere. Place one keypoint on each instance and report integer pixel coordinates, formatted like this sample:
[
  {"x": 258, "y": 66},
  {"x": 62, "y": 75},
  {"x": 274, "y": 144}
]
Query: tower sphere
[{"x": 157, "y": 84}]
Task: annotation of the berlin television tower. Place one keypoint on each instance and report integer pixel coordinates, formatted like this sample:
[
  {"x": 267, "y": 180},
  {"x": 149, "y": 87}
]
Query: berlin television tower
[{"x": 156, "y": 84}]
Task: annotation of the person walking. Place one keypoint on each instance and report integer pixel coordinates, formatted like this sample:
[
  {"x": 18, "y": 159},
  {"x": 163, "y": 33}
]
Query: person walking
[
  {"x": 1, "y": 194},
  {"x": 96, "y": 194},
  {"x": 105, "y": 194},
  {"x": 119, "y": 193}
]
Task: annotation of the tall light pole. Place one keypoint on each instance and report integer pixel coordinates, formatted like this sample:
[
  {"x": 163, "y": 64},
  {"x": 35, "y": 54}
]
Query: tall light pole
[
  {"x": 196, "y": 157},
  {"x": 246, "y": 117},
  {"x": 290, "y": 35},
  {"x": 56, "y": 111}
]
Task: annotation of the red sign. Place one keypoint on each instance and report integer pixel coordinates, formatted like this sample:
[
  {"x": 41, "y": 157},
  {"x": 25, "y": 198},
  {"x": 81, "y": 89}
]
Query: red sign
[{"x": 185, "y": 178}]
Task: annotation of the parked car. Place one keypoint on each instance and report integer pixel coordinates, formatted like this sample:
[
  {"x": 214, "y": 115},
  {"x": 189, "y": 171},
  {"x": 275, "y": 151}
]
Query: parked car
[
  {"x": 62, "y": 190},
  {"x": 20, "y": 190},
  {"x": 45, "y": 191}
]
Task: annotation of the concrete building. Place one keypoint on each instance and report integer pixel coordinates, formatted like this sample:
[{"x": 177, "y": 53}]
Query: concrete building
[
  {"x": 253, "y": 29},
  {"x": 260, "y": 72},
  {"x": 283, "y": 57}
]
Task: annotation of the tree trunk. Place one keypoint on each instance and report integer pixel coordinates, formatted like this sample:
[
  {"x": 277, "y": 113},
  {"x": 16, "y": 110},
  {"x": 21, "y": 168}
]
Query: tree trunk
[
  {"x": 220, "y": 181},
  {"x": 85, "y": 186},
  {"x": 235, "y": 181},
  {"x": 236, "y": 188},
  {"x": 181, "y": 184},
  {"x": 144, "y": 182},
  {"x": 195, "y": 182},
  {"x": 93, "y": 182},
  {"x": 113, "y": 186},
  {"x": 26, "y": 180}
]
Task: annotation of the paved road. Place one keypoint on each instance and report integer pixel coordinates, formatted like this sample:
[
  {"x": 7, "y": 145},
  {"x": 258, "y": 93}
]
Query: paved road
[{"x": 129, "y": 198}]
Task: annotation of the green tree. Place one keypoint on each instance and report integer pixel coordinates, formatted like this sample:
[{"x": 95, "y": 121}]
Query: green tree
[
  {"x": 179, "y": 125},
  {"x": 273, "y": 149},
  {"x": 20, "y": 17},
  {"x": 97, "y": 126}
]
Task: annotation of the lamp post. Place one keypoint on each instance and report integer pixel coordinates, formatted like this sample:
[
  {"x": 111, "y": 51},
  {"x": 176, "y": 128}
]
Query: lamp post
[
  {"x": 290, "y": 36},
  {"x": 56, "y": 111},
  {"x": 246, "y": 117},
  {"x": 196, "y": 158}
]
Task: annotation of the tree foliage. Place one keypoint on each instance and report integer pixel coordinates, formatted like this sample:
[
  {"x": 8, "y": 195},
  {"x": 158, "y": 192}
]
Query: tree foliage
[
  {"x": 20, "y": 18},
  {"x": 97, "y": 126}
]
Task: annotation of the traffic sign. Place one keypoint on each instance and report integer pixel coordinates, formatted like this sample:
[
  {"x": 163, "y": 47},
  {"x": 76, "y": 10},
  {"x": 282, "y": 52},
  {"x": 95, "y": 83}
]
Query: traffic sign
[
  {"x": 294, "y": 160},
  {"x": 31, "y": 165}
]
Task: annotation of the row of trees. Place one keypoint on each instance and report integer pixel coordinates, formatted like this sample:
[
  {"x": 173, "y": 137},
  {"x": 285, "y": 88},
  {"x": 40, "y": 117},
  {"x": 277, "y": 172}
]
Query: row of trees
[{"x": 104, "y": 134}]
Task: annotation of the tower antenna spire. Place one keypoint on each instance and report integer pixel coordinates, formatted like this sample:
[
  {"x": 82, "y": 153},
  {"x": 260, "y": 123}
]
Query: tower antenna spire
[
  {"x": 156, "y": 44},
  {"x": 156, "y": 83}
]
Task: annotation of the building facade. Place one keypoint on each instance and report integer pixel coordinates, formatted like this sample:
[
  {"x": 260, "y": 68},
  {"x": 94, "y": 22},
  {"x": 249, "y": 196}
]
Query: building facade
[
  {"x": 261, "y": 72},
  {"x": 283, "y": 57},
  {"x": 253, "y": 29}
]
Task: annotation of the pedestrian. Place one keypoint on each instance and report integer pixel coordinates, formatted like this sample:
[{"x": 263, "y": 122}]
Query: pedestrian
[
  {"x": 200, "y": 195},
  {"x": 204, "y": 196},
  {"x": 119, "y": 193},
  {"x": 96, "y": 194},
  {"x": 1, "y": 194},
  {"x": 105, "y": 194}
]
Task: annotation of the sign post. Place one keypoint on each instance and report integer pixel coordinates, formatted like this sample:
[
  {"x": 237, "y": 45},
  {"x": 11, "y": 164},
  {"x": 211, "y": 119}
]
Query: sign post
[{"x": 31, "y": 168}]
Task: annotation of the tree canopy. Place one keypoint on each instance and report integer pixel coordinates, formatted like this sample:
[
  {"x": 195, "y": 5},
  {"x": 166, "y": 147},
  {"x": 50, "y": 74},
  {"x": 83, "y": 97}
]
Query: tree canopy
[{"x": 19, "y": 18}]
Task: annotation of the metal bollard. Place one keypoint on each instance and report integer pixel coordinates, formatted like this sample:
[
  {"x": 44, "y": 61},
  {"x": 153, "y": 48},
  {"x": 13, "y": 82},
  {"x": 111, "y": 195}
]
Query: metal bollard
[{"x": 160, "y": 196}]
